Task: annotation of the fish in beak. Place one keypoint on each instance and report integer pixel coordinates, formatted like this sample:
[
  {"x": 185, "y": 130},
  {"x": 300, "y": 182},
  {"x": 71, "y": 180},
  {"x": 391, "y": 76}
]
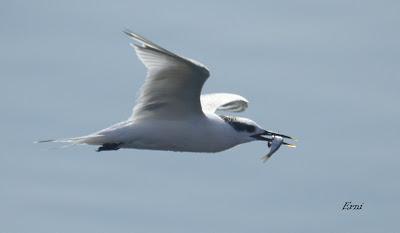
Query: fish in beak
[{"x": 275, "y": 140}]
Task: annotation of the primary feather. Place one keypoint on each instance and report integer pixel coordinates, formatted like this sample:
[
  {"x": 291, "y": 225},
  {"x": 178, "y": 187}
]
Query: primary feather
[{"x": 173, "y": 84}]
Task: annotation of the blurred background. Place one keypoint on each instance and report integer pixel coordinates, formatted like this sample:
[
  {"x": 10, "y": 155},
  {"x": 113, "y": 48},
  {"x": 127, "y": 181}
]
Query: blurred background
[{"x": 326, "y": 72}]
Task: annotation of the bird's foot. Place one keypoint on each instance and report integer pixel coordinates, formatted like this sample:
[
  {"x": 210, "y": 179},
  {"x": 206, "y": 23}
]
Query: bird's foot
[{"x": 109, "y": 146}]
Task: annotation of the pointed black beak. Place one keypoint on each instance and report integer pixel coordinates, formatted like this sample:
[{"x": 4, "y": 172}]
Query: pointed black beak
[
  {"x": 269, "y": 133},
  {"x": 261, "y": 138}
]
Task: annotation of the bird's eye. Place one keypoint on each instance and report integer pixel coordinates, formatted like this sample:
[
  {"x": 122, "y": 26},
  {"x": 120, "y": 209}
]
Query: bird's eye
[{"x": 250, "y": 128}]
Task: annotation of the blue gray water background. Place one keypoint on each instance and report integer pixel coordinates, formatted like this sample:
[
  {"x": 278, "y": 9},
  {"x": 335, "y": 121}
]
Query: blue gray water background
[{"x": 326, "y": 72}]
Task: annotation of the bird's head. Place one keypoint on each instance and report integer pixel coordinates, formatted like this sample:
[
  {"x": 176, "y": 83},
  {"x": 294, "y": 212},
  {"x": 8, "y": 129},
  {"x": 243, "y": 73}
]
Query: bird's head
[{"x": 248, "y": 130}]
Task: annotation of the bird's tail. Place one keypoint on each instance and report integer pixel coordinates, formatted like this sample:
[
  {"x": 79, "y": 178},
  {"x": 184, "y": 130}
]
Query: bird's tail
[{"x": 89, "y": 139}]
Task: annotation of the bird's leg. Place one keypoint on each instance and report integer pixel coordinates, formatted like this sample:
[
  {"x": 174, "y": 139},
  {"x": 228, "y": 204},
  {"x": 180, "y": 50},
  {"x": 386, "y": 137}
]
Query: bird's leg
[{"x": 109, "y": 146}]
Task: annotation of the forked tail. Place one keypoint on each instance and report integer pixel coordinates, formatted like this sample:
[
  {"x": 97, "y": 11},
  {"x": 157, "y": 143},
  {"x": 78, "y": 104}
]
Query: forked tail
[{"x": 90, "y": 139}]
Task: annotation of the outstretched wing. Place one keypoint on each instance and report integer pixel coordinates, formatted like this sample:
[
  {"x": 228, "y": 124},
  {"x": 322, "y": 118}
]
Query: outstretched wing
[
  {"x": 223, "y": 102},
  {"x": 173, "y": 84}
]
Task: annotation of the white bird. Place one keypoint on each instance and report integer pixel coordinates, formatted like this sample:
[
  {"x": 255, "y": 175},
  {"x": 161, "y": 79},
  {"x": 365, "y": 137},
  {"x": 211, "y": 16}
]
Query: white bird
[{"x": 171, "y": 114}]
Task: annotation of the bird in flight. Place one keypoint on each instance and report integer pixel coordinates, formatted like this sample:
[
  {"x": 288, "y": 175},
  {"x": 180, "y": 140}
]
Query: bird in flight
[{"x": 172, "y": 114}]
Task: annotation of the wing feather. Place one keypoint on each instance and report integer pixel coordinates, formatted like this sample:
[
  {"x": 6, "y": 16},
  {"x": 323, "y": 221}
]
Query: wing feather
[
  {"x": 223, "y": 102},
  {"x": 173, "y": 84}
]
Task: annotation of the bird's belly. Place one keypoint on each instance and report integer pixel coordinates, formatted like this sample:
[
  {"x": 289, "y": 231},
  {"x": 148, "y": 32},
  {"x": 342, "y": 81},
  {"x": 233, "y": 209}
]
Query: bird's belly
[
  {"x": 180, "y": 137},
  {"x": 189, "y": 144}
]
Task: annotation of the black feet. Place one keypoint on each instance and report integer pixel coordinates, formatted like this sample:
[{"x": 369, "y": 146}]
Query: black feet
[{"x": 109, "y": 146}]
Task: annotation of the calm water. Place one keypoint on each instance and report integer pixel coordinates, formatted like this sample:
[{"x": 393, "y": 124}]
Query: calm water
[{"x": 326, "y": 72}]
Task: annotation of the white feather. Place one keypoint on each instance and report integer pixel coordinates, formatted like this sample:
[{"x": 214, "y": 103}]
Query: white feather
[
  {"x": 223, "y": 102},
  {"x": 172, "y": 87}
]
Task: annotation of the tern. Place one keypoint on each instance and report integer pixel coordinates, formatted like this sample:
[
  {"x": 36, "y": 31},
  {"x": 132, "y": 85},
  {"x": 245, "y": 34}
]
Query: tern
[{"x": 171, "y": 113}]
